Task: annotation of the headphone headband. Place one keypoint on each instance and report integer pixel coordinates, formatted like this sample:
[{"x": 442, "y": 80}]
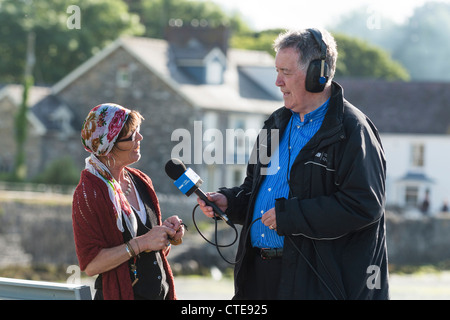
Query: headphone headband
[
  {"x": 317, "y": 74},
  {"x": 318, "y": 37}
]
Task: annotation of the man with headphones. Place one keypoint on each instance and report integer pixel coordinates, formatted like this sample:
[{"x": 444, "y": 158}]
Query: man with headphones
[{"x": 313, "y": 228}]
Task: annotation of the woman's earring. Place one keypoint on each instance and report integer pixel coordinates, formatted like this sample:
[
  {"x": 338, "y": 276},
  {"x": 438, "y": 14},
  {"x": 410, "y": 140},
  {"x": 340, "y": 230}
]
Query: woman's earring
[{"x": 109, "y": 163}]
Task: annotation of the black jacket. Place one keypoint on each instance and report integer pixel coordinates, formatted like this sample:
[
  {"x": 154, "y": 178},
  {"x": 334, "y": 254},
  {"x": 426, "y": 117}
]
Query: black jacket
[{"x": 335, "y": 244}]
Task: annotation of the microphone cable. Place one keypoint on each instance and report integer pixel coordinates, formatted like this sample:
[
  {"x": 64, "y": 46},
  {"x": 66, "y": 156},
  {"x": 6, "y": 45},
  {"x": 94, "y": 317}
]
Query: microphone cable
[{"x": 216, "y": 243}]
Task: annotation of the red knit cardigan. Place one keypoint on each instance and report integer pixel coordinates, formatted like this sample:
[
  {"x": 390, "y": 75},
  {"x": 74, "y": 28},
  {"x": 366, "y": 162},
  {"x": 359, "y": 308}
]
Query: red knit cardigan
[{"x": 95, "y": 228}]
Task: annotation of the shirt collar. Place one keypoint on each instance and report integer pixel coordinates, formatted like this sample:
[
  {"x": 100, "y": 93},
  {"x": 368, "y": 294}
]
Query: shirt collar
[{"x": 317, "y": 114}]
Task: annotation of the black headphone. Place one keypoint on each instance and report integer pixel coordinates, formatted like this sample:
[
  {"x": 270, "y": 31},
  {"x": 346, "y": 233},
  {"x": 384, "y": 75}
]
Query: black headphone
[{"x": 317, "y": 74}]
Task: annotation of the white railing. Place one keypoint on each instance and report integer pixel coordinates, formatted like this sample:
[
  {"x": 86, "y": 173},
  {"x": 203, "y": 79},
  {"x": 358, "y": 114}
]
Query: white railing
[{"x": 18, "y": 289}]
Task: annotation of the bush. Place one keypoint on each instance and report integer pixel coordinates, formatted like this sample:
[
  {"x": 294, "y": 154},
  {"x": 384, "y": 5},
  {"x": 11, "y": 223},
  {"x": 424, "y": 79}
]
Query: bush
[{"x": 61, "y": 171}]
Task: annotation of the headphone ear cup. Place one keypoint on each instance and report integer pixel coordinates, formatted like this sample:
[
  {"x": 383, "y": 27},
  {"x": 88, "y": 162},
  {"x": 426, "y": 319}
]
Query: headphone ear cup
[{"x": 314, "y": 82}]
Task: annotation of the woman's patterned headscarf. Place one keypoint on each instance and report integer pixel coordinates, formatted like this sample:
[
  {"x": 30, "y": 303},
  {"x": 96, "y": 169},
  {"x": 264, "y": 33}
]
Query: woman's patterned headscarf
[
  {"x": 102, "y": 126},
  {"x": 98, "y": 135}
]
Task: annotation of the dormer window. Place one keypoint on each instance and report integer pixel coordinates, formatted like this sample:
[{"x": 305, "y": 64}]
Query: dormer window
[
  {"x": 194, "y": 44},
  {"x": 215, "y": 64},
  {"x": 214, "y": 72}
]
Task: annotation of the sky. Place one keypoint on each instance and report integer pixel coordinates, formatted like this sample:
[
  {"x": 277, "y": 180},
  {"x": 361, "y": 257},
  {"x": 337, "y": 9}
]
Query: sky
[{"x": 295, "y": 14}]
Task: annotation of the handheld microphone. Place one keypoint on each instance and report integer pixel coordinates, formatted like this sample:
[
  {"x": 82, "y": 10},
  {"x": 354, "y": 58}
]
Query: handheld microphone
[{"x": 188, "y": 182}]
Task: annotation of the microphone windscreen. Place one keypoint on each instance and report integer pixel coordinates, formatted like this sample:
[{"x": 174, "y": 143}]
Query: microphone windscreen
[{"x": 175, "y": 168}]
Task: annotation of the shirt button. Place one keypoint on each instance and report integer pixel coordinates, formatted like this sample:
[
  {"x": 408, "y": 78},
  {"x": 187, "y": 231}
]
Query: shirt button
[
  {"x": 298, "y": 127},
  {"x": 262, "y": 211},
  {"x": 262, "y": 235},
  {"x": 155, "y": 262},
  {"x": 270, "y": 189},
  {"x": 159, "y": 277}
]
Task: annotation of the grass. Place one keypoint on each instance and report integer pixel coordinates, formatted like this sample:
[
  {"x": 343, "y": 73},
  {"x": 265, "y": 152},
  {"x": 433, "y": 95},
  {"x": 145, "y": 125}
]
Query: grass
[
  {"x": 40, "y": 198},
  {"x": 42, "y": 272},
  {"x": 419, "y": 269}
]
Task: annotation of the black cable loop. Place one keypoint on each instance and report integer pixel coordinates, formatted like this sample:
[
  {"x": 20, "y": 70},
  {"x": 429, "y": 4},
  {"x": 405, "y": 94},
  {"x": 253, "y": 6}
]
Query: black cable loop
[{"x": 216, "y": 244}]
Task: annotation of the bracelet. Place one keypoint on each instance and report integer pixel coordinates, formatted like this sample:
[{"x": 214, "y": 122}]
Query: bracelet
[
  {"x": 130, "y": 250},
  {"x": 137, "y": 243}
]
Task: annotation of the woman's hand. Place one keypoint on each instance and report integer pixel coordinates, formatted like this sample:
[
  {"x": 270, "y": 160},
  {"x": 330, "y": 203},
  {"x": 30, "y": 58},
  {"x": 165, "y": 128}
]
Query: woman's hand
[
  {"x": 176, "y": 224},
  {"x": 109, "y": 258},
  {"x": 156, "y": 239}
]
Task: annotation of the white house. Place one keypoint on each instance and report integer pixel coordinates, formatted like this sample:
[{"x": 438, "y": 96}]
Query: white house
[{"x": 414, "y": 123}]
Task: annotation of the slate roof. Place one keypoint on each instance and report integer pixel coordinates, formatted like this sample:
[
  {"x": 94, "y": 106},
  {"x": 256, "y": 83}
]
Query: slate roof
[
  {"x": 191, "y": 42},
  {"x": 46, "y": 109},
  {"x": 402, "y": 107},
  {"x": 226, "y": 96},
  {"x": 14, "y": 92},
  {"x": 158, "y": 57}
]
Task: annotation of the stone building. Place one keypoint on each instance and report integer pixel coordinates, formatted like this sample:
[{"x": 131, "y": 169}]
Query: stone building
[{"x": 184, "y": 83}]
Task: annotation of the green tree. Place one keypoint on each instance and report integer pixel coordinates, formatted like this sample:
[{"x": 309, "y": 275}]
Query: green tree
[
  {"x": 420, "y": 44},
  {"x": 359, "y": 59},
  {"x": 59, "y": 49},
  {"x": 156, "y": 15},
  {"x": 366, "y": 24},
  {"x": 425, "y": 47},
  {"x": 262, "y": 41},
  {"x": 21, "y": 132}
]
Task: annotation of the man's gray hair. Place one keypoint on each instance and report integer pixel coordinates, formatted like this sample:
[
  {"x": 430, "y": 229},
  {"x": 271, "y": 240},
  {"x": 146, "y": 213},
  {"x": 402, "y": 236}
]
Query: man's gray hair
[{"x": 308, "y": 48}]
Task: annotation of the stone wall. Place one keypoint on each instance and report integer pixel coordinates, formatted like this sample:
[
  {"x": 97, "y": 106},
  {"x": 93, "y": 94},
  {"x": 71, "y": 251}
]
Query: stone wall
[
  {"x": 424, "y": 240},
  {"x": 38, "y": 233},
  {"x": 42, "y": 233}
]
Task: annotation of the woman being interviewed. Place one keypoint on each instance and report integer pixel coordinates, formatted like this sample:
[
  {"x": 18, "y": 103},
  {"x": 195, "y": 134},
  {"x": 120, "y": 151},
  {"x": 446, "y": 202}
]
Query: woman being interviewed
[{"x": 116, "y": 215}]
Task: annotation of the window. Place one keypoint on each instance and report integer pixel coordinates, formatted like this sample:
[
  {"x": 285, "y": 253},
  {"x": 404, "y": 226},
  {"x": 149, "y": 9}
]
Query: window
[
  {"x": 214, "y": 72},
  {"x": 240, "y": 124},
  {"x": 418, "y": 155},
  {"x": 211, "y": 183},
  {"x": 237, "y": 177},
  {"x": 215, "y": 64},
  {"x": 235, "y": 141},
  {"x": 123, "y": 77},
  {"x": 411, "y": 196},
  {"x": 6, "y": 163}
]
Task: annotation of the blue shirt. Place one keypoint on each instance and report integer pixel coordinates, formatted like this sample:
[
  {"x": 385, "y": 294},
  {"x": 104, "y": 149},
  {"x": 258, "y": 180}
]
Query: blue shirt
[{"x": 275, "y": 185}]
